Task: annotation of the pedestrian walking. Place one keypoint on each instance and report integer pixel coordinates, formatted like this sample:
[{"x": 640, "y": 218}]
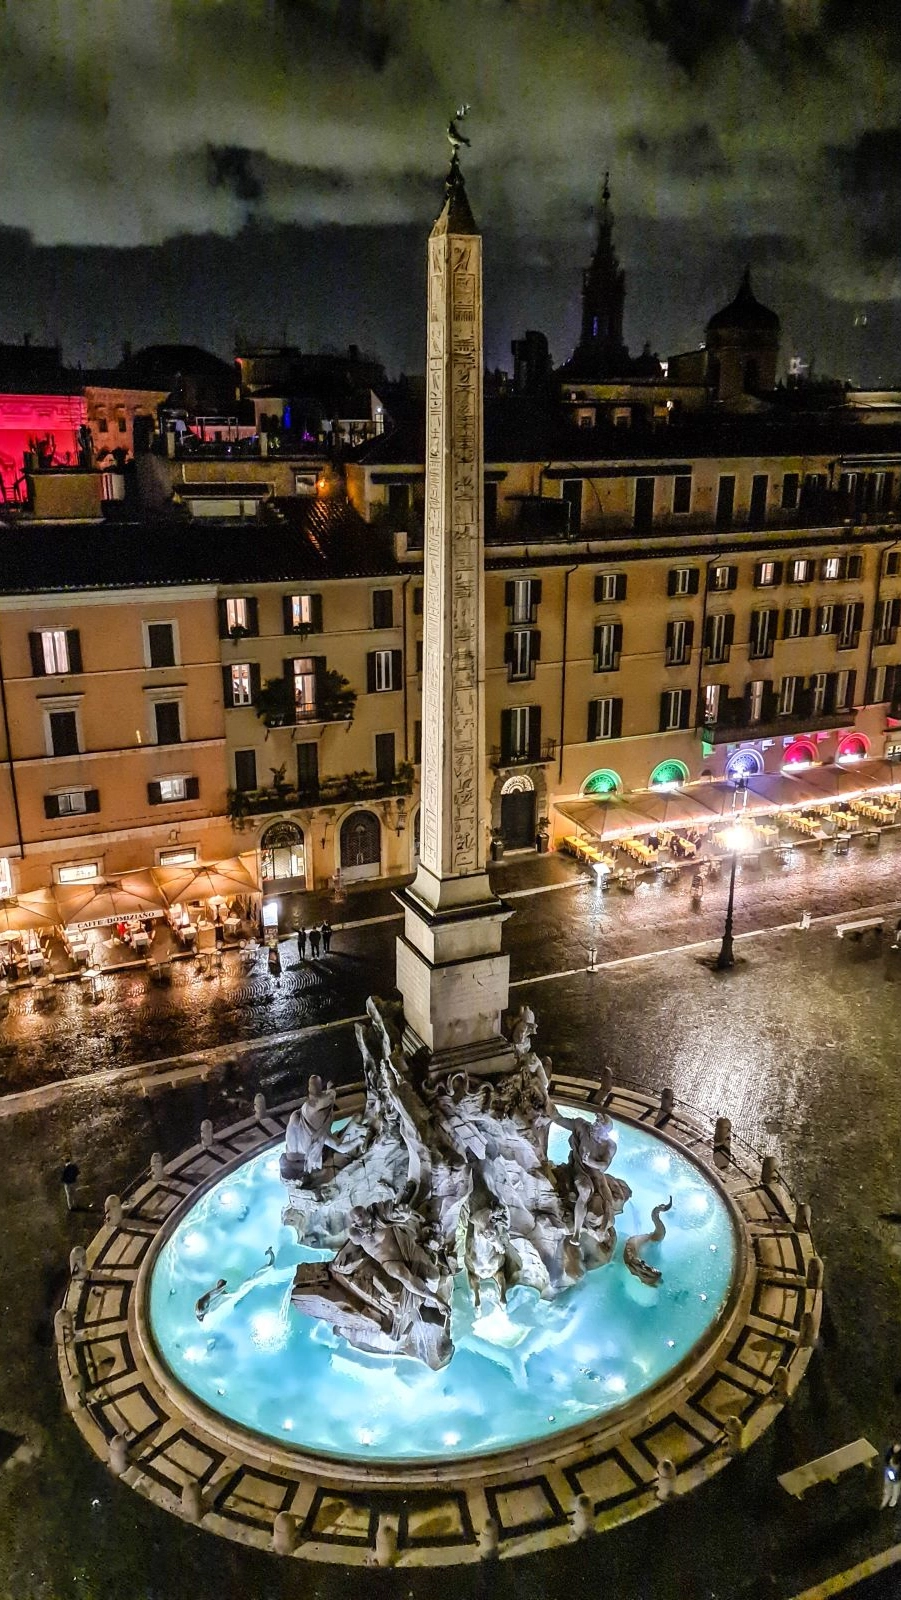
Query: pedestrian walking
[
  {"x": 68, "y": 1179},
  {"x": 891, "y": 1477},
  {"x": 301, "y": 944},
  {"x": 275, "y": 962},
  {"x": 314, "y": 943},
  {"x": 326, "y": 931}
]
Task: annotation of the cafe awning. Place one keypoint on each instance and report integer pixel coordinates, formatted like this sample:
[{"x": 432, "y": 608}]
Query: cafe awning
[
  {"x": 37, "y": 910},
  {"x": 82, "y": 905},
  {"x": 215, "y": 880}
]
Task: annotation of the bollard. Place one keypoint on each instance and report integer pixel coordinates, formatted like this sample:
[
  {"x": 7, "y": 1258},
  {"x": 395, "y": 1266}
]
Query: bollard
[
  {"x": 385, "y": 1543},
  {"x": 63, "y": 1325},
  {"x": 768, "y": 1171},
  {"x": 489, "y": 1539},
  {"x": 192, "y": 1500},
  {"x": 810, "y": 1329},
  {"x": 592, "y": 958},
  {"x": 722, "y": 1142},
  {"x": 666, "y": 1107},
  {"x": 112, "y": 1211},
  {"x": 802, "y": 1219},
  {"x": 118, "y": 1454},
  {"x": 815, "y": 1272},
  {"x": 157, "y": 1170},
  {"x": 259, "y": 1106},
  {"x": 733, "y": 1428},
  {"x": 666, "y": 1479},
  {"x": 582, "y": 1517},
  {"x": 780, "y": 1385},
  {"x": 206, "y": 1133},
  {"x": 284, "y": 1533},
  {"x": 78, "y": 1264}
]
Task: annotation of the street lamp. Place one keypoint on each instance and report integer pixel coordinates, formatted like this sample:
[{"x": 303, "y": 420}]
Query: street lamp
[{"x": 737, "y": 839}]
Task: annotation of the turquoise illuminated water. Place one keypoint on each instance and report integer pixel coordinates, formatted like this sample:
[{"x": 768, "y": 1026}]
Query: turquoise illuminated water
[{"x": 532, "y": 1370}]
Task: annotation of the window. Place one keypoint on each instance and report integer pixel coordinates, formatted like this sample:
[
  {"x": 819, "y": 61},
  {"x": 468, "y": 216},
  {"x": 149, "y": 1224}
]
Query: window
[
  {"x": 605, "y": 719},
  {"x": 63, "y": 727},
  {"x": 489, "y": 503},
  {"x": 712, "y": 695},
  {"x": 302, "y": 613},
  {"x": 417, "y": 597},
  {"x": 167, "y": 721},
  {"x": 850, "y": 626},
  {"x": 722, "y": 579},
  {"x": 245, "y": 770},
  {"x": 123, "y": 424},
  {"x": 522, "y": 596},
  {"x": 681, "y": 494},
  {"x": 417, "y": 741},
  {"x": 572, "y": 498},
  {"x": 755, "y": 693},
  {"x": 308, "y": 768},
  {"x": 683, "y": 580},
  {"x": 828, "y": 618},
  {"x": 420, "y": 648},
  {"x": 891, "y": 564},
  {"x": 303, "y": 673},
  {"x": 163, "y": 791},
  {"x": 608, "y": 644},
  {"x": 241, "y": 685},
  {"x": 789, "y": 691},
  {"x": 79, "y": 872},
  {"x": 102, "y": 425},
  {"x": 675, "y": 706},
  {"x": 382, "y": 608},
  {"x": 383, "y": 670},
  {"x": 54, "y": 651},
  {"x": 181, "y": 856},
  {"x": 844, "y": 690},
  {"x": 796, "y": 622},
  {"x": 399, "y": 500},
  {"x": 725, "y": 501},
  {"x": 608, "y": 587},
  {"x": 831, "y": 567},
  {"x": 522, "y": 648},
  {"x": 521, "y": 733},
  {"x": 719, "y": 635},
  {"x": 384, "y": 757},
  {"x": 643, "y": 520},
  {"x": 679, "y": 638},
  {"x": 767, "y": 574},
  {"x": 71, "y": 802},
  {"x": 791, "y": 485},
  {"x": 887, "y": 619},
  {"x": 239, "y": 613},
  {"x": 760, "y": 484},
  {"x": 800, "y": 571},
  {"x": 6, "y": 879},
  {"x": 763, "y": 634},
  {"x": 819, "y": 685},
  {"x": 160, "y": 638}
]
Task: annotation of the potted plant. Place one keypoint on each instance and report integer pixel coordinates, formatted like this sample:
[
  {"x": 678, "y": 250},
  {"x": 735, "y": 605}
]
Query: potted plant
[
  {"x": 542, "y": 836},
  {"x": 497, "y": 844},
  {"x": 275, "y": 703}
]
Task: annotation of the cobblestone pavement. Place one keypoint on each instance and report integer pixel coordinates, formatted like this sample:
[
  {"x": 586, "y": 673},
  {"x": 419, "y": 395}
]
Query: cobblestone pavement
[
  {"x": 561, "y": 914},
  {"x": 798, "y": 1045}
]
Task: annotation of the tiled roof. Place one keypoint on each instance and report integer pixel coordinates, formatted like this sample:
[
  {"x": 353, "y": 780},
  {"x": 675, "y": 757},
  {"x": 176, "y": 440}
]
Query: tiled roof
[{"x": 311, "y": 540}]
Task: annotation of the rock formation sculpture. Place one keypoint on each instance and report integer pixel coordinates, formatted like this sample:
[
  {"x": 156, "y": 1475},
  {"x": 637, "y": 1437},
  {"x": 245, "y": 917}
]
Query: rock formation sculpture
[{"x": 437, "y": 1177}]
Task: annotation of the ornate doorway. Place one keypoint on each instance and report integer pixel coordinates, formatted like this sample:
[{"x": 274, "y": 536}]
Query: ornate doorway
[
  {"x": 361, "y": 846},
  {"x": 518, "y": 813},
  {"x": 282, "y": 856}
]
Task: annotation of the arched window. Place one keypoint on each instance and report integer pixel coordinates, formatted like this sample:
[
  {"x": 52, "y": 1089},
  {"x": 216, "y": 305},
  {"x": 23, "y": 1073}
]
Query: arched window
[
  {"x": 854, "y": 747},
  {"x": 604, "y": 781},
  {"x": 669, "y": 774},
  {"x": 361, "y": 845},
  {"x": 282, "y": 854},
  {"x": 744, "y": 764},
  {"x": 800, "y": 753}
]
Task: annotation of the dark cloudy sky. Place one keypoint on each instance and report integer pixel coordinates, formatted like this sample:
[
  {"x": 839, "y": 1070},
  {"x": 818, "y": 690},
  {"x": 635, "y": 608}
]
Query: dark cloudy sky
[{"x": 174, "y": 169}]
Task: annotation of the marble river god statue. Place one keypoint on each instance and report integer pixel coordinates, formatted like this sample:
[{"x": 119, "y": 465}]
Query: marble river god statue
[{"x": 439, "y": 1177}]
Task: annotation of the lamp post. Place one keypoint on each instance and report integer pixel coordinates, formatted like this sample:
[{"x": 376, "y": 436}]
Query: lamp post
[{"x": 737, "y": 839}]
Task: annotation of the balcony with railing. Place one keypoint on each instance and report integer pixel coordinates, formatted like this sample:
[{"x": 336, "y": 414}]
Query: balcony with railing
[
  {"x": 734, "y": 720},
  {"x": 535, "y": 755},
  {"x": 330, "y": 791}
]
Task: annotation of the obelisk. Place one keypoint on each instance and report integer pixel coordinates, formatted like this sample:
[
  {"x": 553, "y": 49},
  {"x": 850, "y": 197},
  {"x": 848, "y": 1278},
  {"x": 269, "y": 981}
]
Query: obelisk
[{"x": 450, "y": 970}]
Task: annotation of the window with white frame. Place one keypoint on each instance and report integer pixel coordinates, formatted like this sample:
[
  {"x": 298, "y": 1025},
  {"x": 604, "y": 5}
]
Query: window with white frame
[
  {"x": 183, "y": 855},
  {"x": 788, "y": 695},
  {"x": 523, "y": 602},
  {"x": 521, "y": 653},
  {"x": 712, "y": 695},
  {"x": 682, "y": 578},
  {"x": 826, "y": 619},
  {"x": 819, "y": 685},
  {"x": 755, "y": 700},
  {"x": 384, "y": 676},
  {"x": 241, "y": 685},
  {"x": 173, "y": 788},
  {"x": 674, "y": 712},
  {"x": 71, "y": 802},
  {"x": 766, "y": 574},
  {"x": 796, "y": 618},
  {"x": 832, "y": 567},
  {"x": 800, "y": 571},
  {"x": 604, "y": 718},
  {"x": 720, "y": 627},
  {"x": 305, "y": 686},
  {"x": 520, "y": 729},
  {"x": 678, "y": 643},
  {"x": 763, "y": 633},
  {"x": 55, "y": 650},
  {"x": 721, "y": 579},
  {"x": 301, "y": 611},
  {"x": 843, "y": 690},
  {"x": 78, "y": 872},
  {"x": 236, "y": 613},
  {"x": 606, "y": 638},
  {"x": 609, "y": 586}
]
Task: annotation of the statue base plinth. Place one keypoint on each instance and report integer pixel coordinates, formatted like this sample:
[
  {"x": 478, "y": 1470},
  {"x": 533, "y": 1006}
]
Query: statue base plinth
[{"x": 487, "y": 1058}]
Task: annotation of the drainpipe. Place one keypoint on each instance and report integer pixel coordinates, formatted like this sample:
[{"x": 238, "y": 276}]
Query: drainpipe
[
  {"x": 403, "y": 600},
  {"x": 566, "y": 577},
  {"x": 12, "y": 765}
]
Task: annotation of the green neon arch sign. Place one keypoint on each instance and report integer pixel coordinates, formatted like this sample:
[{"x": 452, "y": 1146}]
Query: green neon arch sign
[
  {"x": 604, "y": 781},
  {"x": 669, "y": 772}
]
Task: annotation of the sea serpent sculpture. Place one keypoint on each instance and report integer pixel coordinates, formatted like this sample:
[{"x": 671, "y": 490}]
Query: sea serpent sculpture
[{"x": 439, "y": 1176}]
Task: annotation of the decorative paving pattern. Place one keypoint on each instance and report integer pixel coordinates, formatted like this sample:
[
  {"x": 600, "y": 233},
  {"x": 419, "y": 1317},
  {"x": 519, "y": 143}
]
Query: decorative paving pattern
[{"x": 210, "y": 1471}]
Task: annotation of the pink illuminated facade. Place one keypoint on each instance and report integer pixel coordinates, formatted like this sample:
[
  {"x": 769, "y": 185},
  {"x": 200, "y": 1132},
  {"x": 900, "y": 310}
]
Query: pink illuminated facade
[{"x": 47, "y": 424}]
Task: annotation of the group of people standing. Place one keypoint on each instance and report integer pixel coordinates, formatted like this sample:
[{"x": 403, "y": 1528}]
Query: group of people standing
[{"x": 312, "y": 939}]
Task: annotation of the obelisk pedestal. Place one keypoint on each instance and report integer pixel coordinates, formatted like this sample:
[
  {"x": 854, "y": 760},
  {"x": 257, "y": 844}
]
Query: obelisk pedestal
[{"x": 450, "y": 969}]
